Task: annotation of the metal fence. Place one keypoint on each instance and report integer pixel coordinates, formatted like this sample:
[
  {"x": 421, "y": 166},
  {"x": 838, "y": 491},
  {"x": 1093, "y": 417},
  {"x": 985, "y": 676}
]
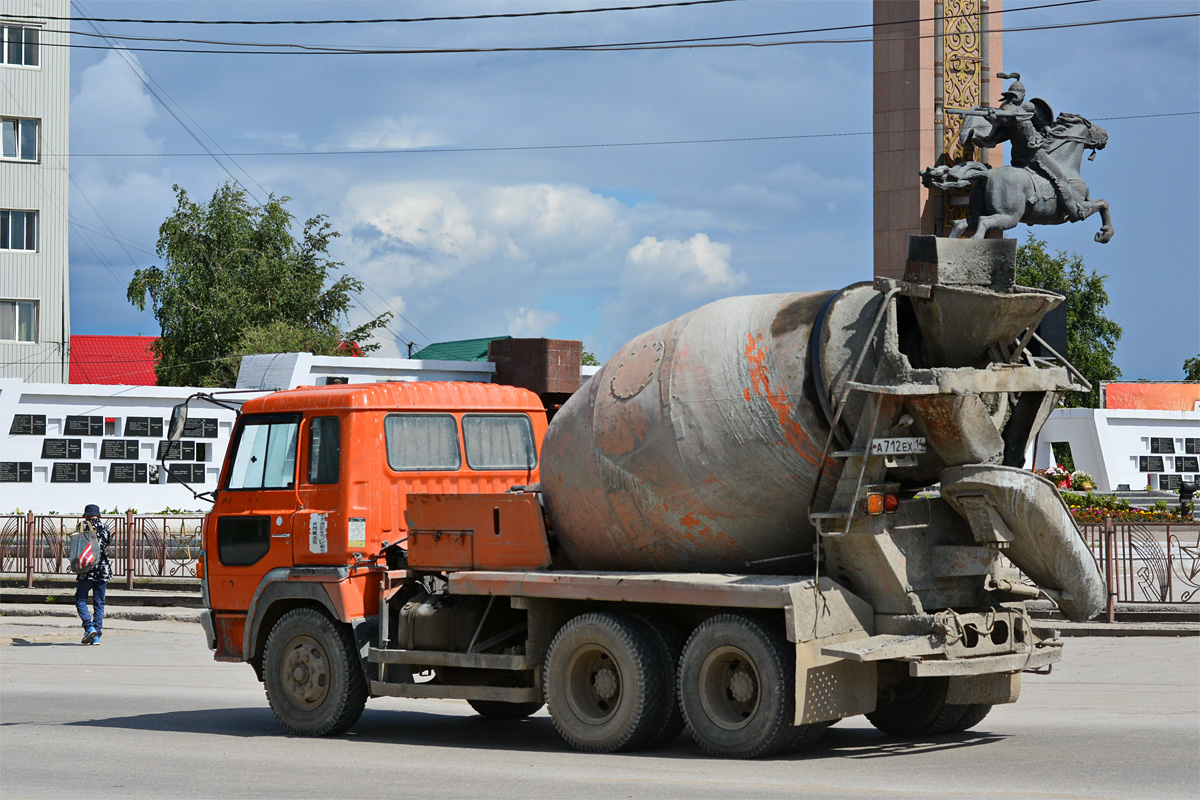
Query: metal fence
[
  {"x": 1147, "y": 563},
  {"x": 144, "y": 545},
  {"x": 1140, "y": 563}
]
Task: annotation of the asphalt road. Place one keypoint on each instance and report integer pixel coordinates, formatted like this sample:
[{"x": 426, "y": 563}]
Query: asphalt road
[{"x": 149, "y": 714}]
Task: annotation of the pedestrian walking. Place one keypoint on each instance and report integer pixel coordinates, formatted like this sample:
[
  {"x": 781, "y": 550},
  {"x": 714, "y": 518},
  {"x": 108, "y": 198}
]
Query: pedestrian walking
[{"x": 95, "y": 580}]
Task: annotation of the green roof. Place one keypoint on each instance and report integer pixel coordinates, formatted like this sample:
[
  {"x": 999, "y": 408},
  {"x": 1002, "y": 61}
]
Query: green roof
[{"x": 462, "y": 350}]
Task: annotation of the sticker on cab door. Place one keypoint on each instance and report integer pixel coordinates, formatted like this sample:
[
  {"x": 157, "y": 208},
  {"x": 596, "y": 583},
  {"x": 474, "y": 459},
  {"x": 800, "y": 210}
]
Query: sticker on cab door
[
  {"x": 318, "y": 533},
  {"x": 358, "y": 532}
]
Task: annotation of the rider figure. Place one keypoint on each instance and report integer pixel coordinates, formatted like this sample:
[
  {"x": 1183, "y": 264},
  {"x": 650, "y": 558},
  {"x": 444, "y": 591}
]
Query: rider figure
[{"x": 1021, "y": 121}]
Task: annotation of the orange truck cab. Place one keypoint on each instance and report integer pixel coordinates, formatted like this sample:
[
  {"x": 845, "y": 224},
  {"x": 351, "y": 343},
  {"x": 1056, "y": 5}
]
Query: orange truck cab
[{"x": 315, "y": 487}]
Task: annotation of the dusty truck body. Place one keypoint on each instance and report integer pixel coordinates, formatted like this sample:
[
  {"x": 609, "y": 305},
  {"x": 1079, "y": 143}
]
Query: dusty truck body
[{"x": 724, "y": 529}]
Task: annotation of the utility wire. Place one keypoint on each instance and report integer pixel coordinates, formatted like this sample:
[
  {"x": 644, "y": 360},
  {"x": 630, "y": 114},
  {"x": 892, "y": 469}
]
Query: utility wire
[
  {"x": 731, "y": 37},
  {"x": 593, "y": 145},
  {"x": 714, "y": 42},
  {"x": 509, "y": 15}
]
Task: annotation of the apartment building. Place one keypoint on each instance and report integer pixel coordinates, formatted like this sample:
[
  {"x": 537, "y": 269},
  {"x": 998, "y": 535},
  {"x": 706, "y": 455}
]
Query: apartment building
[{"x": 35, "y": 68}]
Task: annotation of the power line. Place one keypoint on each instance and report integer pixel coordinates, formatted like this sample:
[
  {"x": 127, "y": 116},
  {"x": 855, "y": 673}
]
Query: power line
[
  {"x": 713, "y": 42},
  {"x": 509, "y": 15},
  {"x": 592, "y": 145},
  {"x": 731, "y": 37}
]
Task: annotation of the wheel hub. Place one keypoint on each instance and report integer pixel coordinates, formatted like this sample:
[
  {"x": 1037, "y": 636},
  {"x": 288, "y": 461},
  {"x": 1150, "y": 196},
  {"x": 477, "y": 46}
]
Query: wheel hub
[
  {"x": 741, "y": 687},
  {"x": 305, "y": 673},
  {"x": 604, "y": 683}
]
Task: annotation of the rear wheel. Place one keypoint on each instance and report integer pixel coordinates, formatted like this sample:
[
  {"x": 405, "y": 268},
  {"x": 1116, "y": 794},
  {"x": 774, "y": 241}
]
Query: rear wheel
[
  {"x": 972, "y": 716},
  {"x": 736, "y": 685},
  {"x": 604, "y": 683},
  {"x": 669, "y": 642},
  {"x": 315, "y": 684},
  {"x": 496, "y": 709},
  {"x": 917, "y": 707}
]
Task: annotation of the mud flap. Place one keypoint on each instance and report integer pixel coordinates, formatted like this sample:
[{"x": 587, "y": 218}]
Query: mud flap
[{"x": 1041, "y": 537}]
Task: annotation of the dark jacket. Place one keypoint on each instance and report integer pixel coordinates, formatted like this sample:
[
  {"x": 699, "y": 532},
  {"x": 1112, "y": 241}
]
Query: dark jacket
[{"x": 102, "y": 572}]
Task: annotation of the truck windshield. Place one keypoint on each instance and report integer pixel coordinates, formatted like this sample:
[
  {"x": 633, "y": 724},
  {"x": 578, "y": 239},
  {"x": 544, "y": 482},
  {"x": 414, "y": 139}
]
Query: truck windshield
[{"x": 265, "y": 453}]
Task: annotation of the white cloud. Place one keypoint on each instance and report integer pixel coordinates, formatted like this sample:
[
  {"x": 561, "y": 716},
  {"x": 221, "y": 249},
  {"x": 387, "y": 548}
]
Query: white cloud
[
  {"x": 695, "y": 268},
  {"x": 532, "y": 322},
  {"x": 386, "y": 133},
  {"x": 117, "y": 110}
]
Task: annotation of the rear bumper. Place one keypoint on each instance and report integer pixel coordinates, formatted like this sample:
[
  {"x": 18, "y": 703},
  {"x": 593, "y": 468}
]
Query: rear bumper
[{"x": 1041, "y": 656}]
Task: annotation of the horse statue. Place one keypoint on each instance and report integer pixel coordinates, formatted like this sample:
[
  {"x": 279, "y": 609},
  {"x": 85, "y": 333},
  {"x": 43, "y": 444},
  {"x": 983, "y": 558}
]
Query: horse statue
[{"x": 1043, "y": 186}]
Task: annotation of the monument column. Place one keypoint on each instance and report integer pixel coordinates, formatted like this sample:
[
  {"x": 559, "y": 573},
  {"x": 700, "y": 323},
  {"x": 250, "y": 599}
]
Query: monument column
[{"x": 929, "y": 55}]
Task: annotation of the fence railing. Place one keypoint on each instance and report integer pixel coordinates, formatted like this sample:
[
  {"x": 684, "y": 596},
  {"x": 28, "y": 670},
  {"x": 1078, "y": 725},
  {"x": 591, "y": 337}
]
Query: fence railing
[
  {"x": 1140, "y": 563},
  {"x": 144, "y": 545},
  {"x": 1146, "y": 563}
]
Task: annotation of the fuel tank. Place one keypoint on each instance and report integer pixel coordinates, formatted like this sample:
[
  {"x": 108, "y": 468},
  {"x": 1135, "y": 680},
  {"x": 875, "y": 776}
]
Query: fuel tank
[{"x": 697, "y": 446}]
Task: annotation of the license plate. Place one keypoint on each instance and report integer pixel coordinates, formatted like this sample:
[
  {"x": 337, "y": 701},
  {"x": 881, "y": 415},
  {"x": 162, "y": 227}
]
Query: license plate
[{"x": 903, "y": 445}]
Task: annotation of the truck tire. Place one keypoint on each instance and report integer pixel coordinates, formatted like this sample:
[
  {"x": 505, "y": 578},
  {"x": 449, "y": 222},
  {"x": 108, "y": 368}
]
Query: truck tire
[
  {"x": 669, "y": 642},
  {"x": 497, "y": 709},
  {"x": 315, "y": 683},
  {"x": 604, "y": 683},
  {"x": 972, "y": 716},
  {"x": 736, "y": 682},
  {"x": 917, "y": 707}
]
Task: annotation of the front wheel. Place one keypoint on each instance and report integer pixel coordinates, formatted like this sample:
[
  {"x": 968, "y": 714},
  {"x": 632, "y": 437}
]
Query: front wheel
[{"x": 315, "y": 684}]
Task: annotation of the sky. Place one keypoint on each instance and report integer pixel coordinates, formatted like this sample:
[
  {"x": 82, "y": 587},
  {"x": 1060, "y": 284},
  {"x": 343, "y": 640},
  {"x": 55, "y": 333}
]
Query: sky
[{"x": 513, "y": 229}]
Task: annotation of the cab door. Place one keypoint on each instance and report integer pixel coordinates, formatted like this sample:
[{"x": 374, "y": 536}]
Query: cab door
[
  {"x": 255, "y": 509},
  {"x": 322, "y": 534}
]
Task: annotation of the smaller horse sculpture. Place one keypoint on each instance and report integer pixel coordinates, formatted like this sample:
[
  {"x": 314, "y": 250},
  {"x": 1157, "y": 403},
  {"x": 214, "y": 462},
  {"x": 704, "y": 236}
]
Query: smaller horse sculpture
[{"x": 1003, "y": 196}]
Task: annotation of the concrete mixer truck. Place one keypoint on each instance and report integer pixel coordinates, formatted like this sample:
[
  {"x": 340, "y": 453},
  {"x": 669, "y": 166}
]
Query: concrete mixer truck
[{"x": 769, "y": 514}]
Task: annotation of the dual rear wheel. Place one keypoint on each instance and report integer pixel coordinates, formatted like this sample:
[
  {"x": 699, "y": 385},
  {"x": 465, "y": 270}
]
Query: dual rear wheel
[{"x": 618, "y": 682}]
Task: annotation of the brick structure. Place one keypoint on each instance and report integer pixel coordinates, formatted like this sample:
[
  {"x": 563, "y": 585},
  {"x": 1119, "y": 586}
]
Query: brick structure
[{"x": 927, "y": 56}]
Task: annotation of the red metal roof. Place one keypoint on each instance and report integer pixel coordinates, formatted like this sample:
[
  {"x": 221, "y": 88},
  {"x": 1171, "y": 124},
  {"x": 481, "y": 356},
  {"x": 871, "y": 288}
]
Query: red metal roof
[{"x": 125, "y": 360}]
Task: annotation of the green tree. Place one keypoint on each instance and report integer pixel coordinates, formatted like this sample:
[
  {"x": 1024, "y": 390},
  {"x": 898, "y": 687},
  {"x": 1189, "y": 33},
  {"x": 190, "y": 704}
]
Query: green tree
[
  {"x": 235, "y": 281},
  {"x": 587, "y": 359},
  {"x": 1091, "y": 336},
  {"x": 1191, "y": 369}
]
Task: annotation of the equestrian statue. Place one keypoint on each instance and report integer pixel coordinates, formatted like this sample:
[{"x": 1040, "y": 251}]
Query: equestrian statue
[{"x": 1042, "y": 185}]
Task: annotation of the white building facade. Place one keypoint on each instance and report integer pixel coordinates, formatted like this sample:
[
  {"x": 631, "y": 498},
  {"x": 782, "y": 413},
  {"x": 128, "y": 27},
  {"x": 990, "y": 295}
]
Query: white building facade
[
  {"x": 1130, "y": 448},
  {"x": 35, "y": 320},
  {"x": 64, "y": 446}
]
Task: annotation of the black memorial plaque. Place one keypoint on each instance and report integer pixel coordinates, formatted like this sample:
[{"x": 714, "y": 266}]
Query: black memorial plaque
[
  {"x": 16, "y": 472},
  {"x": 68, "y": 472},
  {"x": 1169, "y": 483},
  {"x": 1191, "y": 446},
  {"x": 144, "y": 426},
  {"x": 201, "y": 428},
  {"x": 1162, "y": 444},
  {"x": 84, "y": 426},
  {"x": 62, "y": 448},
  {"x": 1150, "y": 464},
  {"x": 1187, "y": 463},
  {"x": 28, "y": 425},
  {"x": 185, "y": 473},
  {"x": 119, "y": 449},
  {"x": 176, "y": 451},
  {"x": 127, "y": 473}
]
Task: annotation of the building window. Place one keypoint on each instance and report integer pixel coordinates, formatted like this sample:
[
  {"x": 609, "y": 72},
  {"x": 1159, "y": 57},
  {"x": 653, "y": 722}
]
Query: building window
[
  {"x": 20, "y": 138},
  {"x": 20, "y": 46},
  {"x": 18, "y": 320},
  {"x": 18, "y": 230}
]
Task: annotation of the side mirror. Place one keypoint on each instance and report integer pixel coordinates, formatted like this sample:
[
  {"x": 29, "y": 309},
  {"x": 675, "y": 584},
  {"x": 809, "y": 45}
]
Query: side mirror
[{"x": 178, "y": 421}]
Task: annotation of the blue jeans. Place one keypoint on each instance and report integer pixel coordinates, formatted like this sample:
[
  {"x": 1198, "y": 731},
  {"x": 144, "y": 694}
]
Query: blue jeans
[{"x": 98, "y": 590}]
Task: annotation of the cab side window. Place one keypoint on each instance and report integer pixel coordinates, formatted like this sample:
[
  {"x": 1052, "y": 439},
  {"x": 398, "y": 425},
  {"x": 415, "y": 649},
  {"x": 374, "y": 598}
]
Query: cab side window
[
  {"x": 421, "y": 442},
  {"x": 265, "y": 453},
  {"x": 499, "y": 441},
  {"x": 324, "y": 449}
]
